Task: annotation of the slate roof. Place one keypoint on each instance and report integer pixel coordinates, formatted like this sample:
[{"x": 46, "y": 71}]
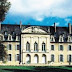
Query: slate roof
[{"x": 16, "y": 28}]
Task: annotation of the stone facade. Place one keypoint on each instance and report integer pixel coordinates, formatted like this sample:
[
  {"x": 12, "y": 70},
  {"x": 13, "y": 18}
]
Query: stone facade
[{"x": 37, "y": 45}]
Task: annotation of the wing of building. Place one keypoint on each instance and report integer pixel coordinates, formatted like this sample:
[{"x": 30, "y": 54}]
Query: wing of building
[{"x": 37, "y": 45}]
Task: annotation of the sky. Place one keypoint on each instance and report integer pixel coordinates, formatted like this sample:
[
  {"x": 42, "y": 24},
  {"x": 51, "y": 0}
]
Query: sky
[{"x": 40, "y": 12}]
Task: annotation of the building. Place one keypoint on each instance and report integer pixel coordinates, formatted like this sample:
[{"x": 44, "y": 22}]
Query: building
[{"x": 37, "y": 45}]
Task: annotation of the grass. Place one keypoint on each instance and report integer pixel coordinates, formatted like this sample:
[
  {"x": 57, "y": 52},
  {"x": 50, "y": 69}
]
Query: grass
[{"x": 35, "y": 69}]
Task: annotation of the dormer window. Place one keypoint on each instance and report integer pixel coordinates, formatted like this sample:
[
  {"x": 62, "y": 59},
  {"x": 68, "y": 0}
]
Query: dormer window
[
  {"x": 14, "y": 36},
  {"x": 6, "y": 35},
  {"x": 69, "y": 39}
]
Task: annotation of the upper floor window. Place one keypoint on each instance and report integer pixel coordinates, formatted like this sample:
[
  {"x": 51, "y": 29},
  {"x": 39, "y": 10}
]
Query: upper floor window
[
  {"x": 35, "y": 47},
  {"x": 9, "y": 47},
  {"x": 52, "y": 58},
  {"x": 43, "y": 46},
  {"x": 17, "y": 47},
  {"x": 69, "y": 47},
  {"x": 61, "y": 58},
  {"x": 61, "y": 47},
  {"x": 9, "y": 57},
  {"x": 52, "y": 47},
  {"x": 27, "y": 46}
]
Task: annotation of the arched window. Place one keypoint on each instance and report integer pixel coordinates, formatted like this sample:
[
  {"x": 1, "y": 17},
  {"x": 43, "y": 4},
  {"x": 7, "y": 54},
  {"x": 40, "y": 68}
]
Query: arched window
[
  {"x": 35, "y": 47},
  {"x": 36, "y": 59},
  {"x": 28, "y": 46},
  {"x": 44, "y": 58},
  {"x": 43, "y": 46},
  {"x": 28, "y": 59},
  {"x": 52, "y": 58}
]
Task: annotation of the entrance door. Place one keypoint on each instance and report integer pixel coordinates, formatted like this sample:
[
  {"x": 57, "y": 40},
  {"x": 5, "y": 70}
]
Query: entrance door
[
  {"x": 44, "y": 59},
  {"x": 36, "y": 59}
]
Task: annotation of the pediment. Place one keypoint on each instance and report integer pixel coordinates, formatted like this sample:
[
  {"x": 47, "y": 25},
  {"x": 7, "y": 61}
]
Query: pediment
[{"x": 34, "y": 29}]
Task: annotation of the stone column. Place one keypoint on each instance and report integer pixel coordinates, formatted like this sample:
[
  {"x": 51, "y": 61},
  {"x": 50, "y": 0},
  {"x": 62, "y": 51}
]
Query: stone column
[
  {"x": 48, "y": 47},
  {"x": 39, "y": 44},
  {"x": 31, "y": 44}
]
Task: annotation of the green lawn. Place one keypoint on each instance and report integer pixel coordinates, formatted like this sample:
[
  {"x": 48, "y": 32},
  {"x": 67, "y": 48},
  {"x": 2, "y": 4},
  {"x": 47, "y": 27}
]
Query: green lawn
[{"x": 35, "y": 69}]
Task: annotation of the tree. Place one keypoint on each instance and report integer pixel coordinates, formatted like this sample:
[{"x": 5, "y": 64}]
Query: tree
[
  {"x": 4, "y": 7},
  {"x": 3, "y": 52}
]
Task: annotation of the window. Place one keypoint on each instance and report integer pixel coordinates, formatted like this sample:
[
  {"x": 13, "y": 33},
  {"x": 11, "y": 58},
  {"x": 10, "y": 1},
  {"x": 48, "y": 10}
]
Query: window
[
  {"x": 52, "y": 58},
  {"x": 61, "y": 47},
  {"x": 35, "y": 47},
  {"x": 52, "y": 39},
  {"x": 28, "y": 46},
  {"x": 18, "y": 47},
  {"x": 69, "y": 58},
  {"x": 69, "y": 39},
  {"x": 18, "y": 37},
  {"x": 9, "y": 47},
  {"x": 69, "y": 47},
  {"x": 61, "y": 58},
  {"x": 9, "y": 57},
  {"x": 17, "y": 57},
  {"x": 43, "y": 46},
  {"x": 52, "y": 47}
]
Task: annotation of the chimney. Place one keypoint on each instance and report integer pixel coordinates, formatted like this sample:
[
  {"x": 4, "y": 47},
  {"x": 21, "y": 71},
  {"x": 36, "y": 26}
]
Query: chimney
[
  {"x": 20, "y": 24},
  {"x": 0, "y": 26},
  {"x": 55, "y": 26},
  {"x": 69, "y": 25}
]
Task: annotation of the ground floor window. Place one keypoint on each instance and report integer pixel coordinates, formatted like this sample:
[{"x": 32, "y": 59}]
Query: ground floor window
[
  {"x": 9, "y": 57},
  {"x": 61, "y": 58},
  {"x": 69, "y": 58},
  {"x": 52, "y": 58},
  {"x": 17, "y": 57}
]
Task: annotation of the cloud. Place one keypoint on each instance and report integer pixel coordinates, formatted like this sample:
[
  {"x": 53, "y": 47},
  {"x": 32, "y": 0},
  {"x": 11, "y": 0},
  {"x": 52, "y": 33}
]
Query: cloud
[
  {"x": 67, "y": 21},
  {"x": 38, "y": 9}
]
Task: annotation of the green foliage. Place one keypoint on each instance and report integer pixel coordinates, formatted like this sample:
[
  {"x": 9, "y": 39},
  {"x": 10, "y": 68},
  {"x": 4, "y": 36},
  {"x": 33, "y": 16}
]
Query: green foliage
[
  {"x": 3, "y": 53},
  {"x": 4, "y": 7}
]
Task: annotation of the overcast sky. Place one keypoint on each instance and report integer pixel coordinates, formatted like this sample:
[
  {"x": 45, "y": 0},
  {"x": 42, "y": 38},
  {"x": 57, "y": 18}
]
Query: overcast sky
[{"x": 40, "y": 12}]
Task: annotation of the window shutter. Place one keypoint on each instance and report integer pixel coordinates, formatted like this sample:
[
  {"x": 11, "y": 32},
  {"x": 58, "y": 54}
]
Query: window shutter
[
  {"x": 15, "y": 57},
  {"x": 67, "y": 58},
  {"x": 15, "y": 47},
  {"x": 59, "y": 47},
  {"x": 68, "y": 48},
  {"x": 58, "y": 58},
  {"x": 11, "y": 47},
  {"x": 8, "y": 47}
]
